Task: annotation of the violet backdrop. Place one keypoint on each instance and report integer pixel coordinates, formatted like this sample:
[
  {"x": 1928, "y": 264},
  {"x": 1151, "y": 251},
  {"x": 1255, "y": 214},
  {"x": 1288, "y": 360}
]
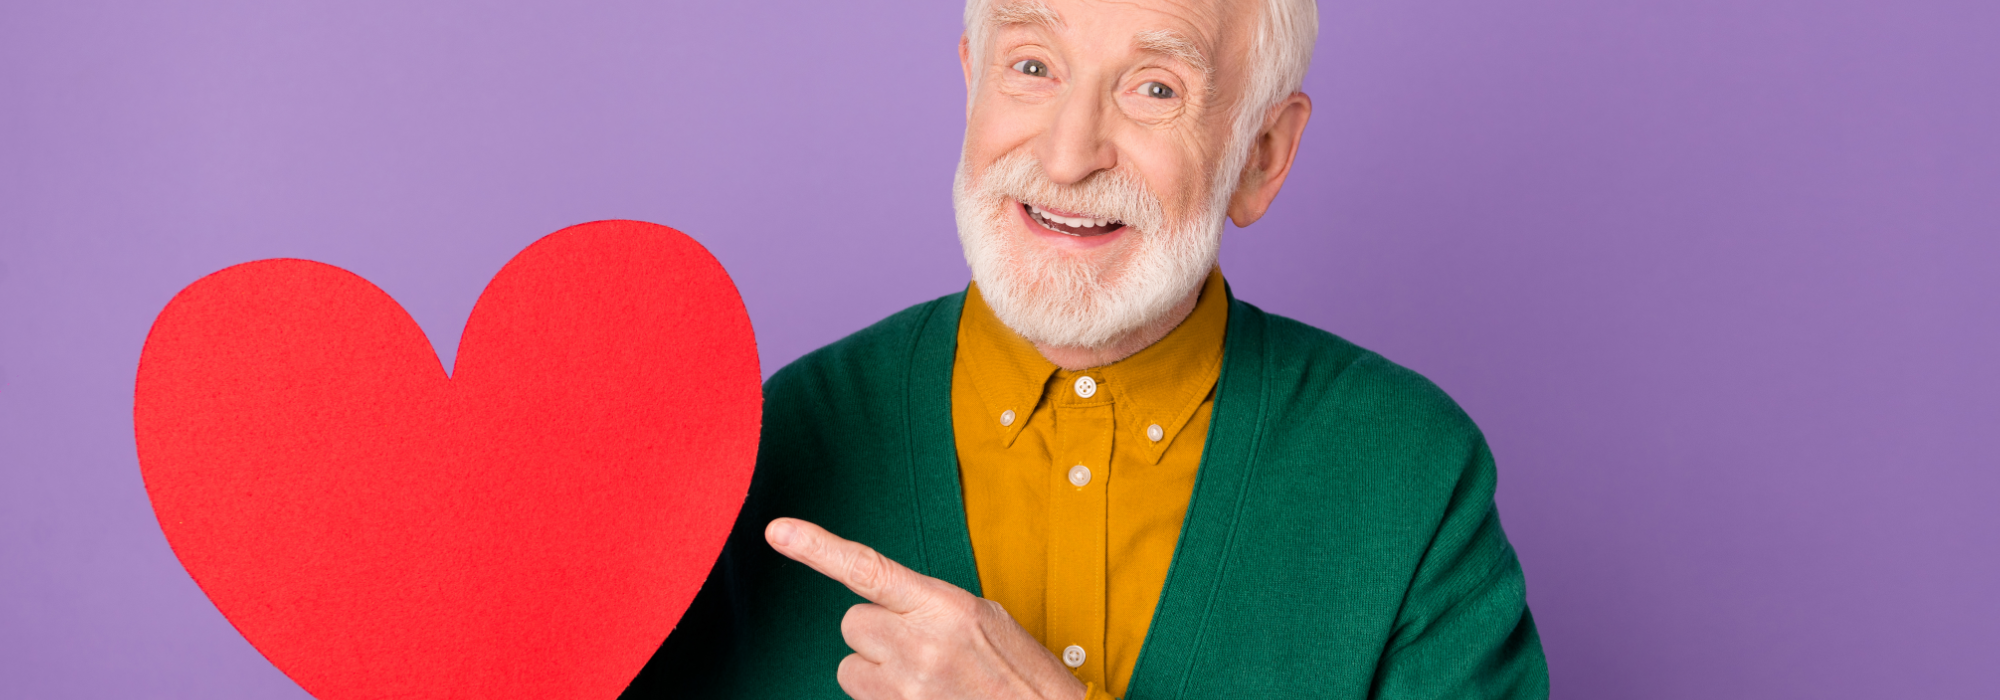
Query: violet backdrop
[{"x": 1719, "y": 278}]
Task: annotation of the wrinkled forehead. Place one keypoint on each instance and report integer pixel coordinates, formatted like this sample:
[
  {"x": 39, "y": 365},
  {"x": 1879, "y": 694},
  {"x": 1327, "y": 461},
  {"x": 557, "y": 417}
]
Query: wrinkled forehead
[
  {"x": 1196, "y": 31},
  {"x": 1207, "y": 13}
]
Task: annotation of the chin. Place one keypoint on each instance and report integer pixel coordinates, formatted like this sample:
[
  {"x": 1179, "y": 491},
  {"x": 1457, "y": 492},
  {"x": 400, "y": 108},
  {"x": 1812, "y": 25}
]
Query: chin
[{"x": 1077, "y": 286}]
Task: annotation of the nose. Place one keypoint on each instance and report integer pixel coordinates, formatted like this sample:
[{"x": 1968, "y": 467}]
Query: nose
[{"x": 1076, "y": 144}]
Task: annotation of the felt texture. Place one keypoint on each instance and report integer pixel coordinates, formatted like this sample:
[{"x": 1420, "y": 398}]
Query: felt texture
[{"x": 531, "y": 526}]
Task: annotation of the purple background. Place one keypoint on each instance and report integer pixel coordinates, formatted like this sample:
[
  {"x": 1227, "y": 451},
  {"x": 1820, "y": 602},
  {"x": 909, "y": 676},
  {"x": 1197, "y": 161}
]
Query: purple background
[{"x": 1718, "y": 277}]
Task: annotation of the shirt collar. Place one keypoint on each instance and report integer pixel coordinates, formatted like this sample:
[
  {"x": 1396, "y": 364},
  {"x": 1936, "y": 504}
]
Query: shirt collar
[{"x": 1163, "y": 384}]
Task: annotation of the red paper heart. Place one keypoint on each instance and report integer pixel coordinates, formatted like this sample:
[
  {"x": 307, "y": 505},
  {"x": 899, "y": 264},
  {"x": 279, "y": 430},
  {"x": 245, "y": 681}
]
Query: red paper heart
[{"x": 531, "y": 526}]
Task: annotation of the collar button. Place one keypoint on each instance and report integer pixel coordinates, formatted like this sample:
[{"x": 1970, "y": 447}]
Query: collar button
[{"x": 1086, "y": 387}]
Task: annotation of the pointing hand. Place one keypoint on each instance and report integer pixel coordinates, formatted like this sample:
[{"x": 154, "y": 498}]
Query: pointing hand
[{"x": 920, "y": 637}]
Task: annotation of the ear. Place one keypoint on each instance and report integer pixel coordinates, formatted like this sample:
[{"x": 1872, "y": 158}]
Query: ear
[
  {"x": 965, "y": 58},
  {"x": 1270, "y": 159},
  {"x": 965, "y": 64}
]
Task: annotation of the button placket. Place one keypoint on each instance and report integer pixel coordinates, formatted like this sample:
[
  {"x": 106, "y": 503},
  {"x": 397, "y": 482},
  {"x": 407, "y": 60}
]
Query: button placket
[{"x": 1078, "y": 533}]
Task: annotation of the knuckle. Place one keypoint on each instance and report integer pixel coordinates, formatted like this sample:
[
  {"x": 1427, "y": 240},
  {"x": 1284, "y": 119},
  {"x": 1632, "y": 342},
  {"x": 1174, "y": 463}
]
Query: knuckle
[
  {"x": 813, "y": 546},
  {"x": 850, "y": 624},
  {"x": 963, "y": 607},
  {"x": 915, "y": 685},
  {"x": 945, "y": 609},
  {"x": 849, "y": 675},
  {"x": 866, "y": 570},
  {"x": 929, "y": 657}
]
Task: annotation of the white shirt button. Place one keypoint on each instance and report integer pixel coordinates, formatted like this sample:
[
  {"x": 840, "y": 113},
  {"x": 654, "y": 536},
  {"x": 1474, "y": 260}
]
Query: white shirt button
[
  {"x": 1086, "y": 387},
  {"x": 1154, "y": 432},
  {"x": 1073, "y": 656},
  {"x": 1079, "y": 475},
  {"x": 1007, "y": 419}
]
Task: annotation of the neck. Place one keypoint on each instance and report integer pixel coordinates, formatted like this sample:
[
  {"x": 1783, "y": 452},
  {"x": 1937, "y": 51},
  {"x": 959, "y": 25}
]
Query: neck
[{"x": 1074, "y": 358}]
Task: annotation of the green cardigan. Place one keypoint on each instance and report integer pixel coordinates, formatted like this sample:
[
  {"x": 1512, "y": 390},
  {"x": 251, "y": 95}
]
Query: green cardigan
[{"x": 1341, "y": 540}]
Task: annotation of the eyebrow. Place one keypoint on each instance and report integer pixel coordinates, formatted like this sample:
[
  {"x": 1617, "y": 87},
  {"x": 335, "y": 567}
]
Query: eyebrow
[
  {"x": 1177, "y": 46},
  {"x": 1163, "y": 42},
  {"x": 1025, "y": 12}
]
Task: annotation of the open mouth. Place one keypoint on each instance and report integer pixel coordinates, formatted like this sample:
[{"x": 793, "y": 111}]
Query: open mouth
[{"x": 1079, "y": 225}]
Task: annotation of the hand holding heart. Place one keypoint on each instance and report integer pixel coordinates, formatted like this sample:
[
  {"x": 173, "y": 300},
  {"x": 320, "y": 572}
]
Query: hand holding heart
[{"x": 921, "y": 637}]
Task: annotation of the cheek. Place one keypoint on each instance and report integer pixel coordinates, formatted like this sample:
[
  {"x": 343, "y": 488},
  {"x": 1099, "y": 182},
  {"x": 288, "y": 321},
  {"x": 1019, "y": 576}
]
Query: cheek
[
  {"x": 1174, "y": 172},
  {"x": 995, "y": 128}
]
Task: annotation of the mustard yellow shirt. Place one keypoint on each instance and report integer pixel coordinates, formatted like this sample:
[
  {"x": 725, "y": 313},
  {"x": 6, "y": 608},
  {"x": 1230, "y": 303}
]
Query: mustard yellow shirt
[{"x": 1076, "y": 482}]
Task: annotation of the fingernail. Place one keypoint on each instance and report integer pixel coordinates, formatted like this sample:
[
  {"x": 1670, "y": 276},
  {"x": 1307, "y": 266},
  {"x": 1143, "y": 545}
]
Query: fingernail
[{"x": 781, "y": 533}]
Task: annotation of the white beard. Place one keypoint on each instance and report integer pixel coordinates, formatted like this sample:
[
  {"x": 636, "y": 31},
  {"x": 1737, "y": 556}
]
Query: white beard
[{"x": 1081, "y": 299}]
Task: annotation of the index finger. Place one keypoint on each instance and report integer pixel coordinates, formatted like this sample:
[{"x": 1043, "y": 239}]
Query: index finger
[{"x": 862, "y": 569}]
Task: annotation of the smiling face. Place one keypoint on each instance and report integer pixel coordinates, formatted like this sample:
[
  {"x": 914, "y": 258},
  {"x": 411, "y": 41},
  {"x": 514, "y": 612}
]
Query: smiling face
[{"x": 1099, "y": 159}]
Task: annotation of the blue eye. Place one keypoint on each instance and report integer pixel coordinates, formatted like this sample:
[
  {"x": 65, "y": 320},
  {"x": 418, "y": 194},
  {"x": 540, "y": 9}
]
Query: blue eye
[
  {"x": 1033, "y": 67},
  {"x": 1154, "y": 89}
]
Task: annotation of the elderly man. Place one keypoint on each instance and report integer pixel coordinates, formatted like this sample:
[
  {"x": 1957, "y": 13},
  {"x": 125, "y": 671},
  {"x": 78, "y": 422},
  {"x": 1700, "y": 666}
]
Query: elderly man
[{"x": 1094, "y": 473}]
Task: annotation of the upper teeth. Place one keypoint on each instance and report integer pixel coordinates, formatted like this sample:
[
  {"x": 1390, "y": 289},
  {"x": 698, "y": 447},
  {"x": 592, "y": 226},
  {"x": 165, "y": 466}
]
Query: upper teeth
[{"x": 1073, "y": 221}]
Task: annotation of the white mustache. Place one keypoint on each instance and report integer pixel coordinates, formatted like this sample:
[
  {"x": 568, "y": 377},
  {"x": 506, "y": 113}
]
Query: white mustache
[
  {"x": 1065, "y": 298},
  {"x": 1106, "y": 194}
]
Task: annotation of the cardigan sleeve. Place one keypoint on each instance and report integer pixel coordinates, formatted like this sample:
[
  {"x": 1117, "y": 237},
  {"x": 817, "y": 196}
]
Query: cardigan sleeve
[{"x": 1464, "y": 630}]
